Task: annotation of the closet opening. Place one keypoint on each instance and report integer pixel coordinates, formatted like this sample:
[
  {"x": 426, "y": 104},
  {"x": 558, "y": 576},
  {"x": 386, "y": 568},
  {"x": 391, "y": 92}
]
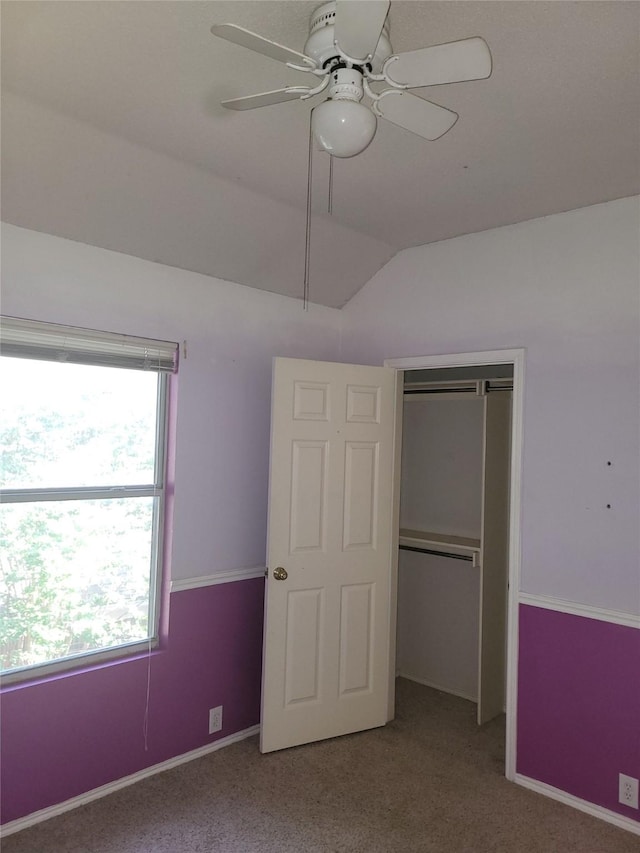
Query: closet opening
[{"x": 458, "y": 534}]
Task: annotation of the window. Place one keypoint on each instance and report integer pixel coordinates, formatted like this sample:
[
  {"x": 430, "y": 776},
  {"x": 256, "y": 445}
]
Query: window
[{"x": 82, "y": 480}]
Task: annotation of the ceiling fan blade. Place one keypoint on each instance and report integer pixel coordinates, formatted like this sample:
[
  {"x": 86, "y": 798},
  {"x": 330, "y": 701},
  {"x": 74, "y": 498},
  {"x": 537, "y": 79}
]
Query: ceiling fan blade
[
  {"x": 415, "y": 114},
  {"x": 265, "y": 99},
  {"x": 455, "y": 62},
  {"x": 245, "y": 38},
  {"x": 358, "y": 26}
]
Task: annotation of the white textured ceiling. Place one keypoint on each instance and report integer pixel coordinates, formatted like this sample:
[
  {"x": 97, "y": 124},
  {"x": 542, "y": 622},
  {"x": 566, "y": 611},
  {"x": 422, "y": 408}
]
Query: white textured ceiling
[{"x": 113, "y": 134}]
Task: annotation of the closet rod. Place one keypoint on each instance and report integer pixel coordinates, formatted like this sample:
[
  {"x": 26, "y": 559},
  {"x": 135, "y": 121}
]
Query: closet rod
[
  {"x": 408, "y": 392},
  {"x": 467, "y": 559},
  {"x": 465, "y": 390}
]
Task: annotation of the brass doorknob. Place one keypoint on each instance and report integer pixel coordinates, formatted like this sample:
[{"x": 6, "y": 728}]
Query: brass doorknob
[{"x": 280, "y": 574}]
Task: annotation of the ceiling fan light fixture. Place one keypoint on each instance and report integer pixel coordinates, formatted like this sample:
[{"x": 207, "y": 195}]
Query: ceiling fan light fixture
[
  {"x": 342, "y": 125},
  {"x": 343, "y": 128}
]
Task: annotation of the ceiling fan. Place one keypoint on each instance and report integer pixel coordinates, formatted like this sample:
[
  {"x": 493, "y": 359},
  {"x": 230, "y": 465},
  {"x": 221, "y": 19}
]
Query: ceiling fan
[{"x": 349, "y": 50}]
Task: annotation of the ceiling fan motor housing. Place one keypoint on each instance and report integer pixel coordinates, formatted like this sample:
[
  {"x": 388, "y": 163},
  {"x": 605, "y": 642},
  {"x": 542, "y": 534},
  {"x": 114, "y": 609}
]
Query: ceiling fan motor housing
[
  {"x": 346, "y": 84},
  {"x": 321, "y": 42}
]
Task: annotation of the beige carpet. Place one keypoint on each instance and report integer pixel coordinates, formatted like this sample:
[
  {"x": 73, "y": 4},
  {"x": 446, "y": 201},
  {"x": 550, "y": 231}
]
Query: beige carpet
[{"x": 430, "y": 781}]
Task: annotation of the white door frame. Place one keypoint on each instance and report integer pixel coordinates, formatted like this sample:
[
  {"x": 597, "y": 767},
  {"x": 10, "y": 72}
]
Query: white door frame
[{"x": 516, "y": 357}]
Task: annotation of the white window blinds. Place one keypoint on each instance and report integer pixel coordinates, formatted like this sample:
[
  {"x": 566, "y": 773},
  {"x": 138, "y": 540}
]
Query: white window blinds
[{"x": 50, "y": 342}]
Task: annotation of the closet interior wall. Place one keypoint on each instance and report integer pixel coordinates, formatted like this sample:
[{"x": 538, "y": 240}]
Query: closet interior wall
[{"x": 452, "y": 580}]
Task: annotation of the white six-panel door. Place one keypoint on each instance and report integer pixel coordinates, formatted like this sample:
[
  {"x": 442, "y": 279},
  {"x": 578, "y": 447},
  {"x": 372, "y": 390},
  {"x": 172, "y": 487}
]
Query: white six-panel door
[{"x": 328, "y": 622}]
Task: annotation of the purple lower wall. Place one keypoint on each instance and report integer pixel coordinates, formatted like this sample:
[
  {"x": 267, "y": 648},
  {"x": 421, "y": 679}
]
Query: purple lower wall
[
  {"x": 579, "y": 704},
  {"x": 69, "y": 734}
]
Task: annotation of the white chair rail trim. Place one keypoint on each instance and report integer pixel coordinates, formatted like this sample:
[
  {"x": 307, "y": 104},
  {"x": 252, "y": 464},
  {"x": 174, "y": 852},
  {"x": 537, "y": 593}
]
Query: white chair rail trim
[
  {"x": 616, "y": 617},
  {"x": 218, "y": 577}
]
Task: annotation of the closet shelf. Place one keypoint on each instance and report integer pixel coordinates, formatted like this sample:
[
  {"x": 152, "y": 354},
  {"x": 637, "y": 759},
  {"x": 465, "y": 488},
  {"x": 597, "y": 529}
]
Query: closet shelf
[{"x": 446, "y": 544}]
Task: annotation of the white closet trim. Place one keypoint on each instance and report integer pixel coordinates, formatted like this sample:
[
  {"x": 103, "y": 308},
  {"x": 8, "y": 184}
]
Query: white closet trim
[
  {"x": 459, "y": 359},
  {"x": 517, "y": 358}
]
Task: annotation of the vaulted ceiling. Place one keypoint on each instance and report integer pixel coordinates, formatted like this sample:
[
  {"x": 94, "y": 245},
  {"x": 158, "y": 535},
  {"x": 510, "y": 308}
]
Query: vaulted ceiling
[{"x": 113, "y": 134}]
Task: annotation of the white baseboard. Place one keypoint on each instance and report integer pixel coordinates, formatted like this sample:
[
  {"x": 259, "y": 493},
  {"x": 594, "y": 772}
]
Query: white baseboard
[
  {"x": 439, "y": 687},
  {"x": 576, "y": 803},
  {"x": 104, "y": 790}
]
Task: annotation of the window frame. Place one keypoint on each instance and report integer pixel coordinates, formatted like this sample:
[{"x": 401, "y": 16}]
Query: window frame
[{"x": 156, "y": 490}]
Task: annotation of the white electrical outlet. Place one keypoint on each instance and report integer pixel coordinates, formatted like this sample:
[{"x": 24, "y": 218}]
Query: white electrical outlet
[
  {"x": 215, "y": 720},
  {"x": 628, "y": 791}
]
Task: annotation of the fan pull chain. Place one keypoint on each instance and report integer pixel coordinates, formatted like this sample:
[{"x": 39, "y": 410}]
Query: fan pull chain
[
  {"x": 330, "y": 203},
  {"x": 307, "y": 245}
]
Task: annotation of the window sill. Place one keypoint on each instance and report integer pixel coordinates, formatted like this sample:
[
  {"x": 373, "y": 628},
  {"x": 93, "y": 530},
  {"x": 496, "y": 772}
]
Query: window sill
[{"x": 71, "y": 668}]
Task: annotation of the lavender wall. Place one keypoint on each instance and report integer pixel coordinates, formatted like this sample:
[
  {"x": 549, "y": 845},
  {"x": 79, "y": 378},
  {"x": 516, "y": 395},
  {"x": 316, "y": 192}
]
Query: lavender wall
[
  {"x": 67, "y": 735},
  {"x": 579, "y": 704},
  {"x": 565, "y": 288},
  {"x": 224, "y": 384}
]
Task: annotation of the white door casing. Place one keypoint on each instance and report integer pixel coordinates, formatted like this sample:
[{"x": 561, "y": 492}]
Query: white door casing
[
  {"x": 328, "y": 625},
  {"x": 484, "y": 358}
]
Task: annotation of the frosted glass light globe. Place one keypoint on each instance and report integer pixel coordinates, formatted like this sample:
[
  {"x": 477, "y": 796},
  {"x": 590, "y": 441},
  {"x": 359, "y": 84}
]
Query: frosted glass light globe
[{"x": 343, "y": 128}]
